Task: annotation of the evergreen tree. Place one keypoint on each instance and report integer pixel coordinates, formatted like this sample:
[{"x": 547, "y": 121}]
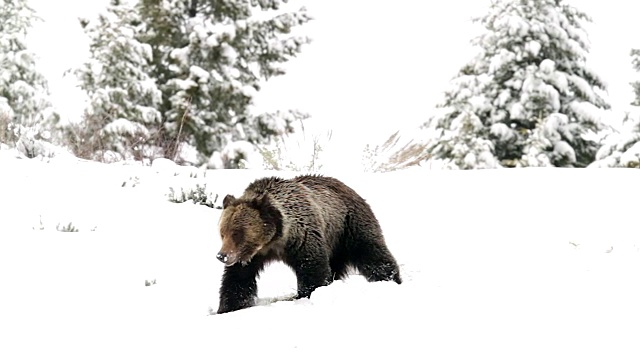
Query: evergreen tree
[
  {"x": 23, "y": 90},
  {"x": 208, "y": 59},
  {"x": 622, "y": 148},
  {"x": 635, "y": 62},
  {"x": 535, "y": 100},
  {"x": 465, "y": 145},
  {"x": 122, "y": 114}
]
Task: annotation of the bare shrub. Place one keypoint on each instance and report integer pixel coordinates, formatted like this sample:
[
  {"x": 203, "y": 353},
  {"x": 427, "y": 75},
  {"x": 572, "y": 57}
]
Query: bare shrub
[
  {"x": 292, "y": 152},
  {"x": 8, "y": 134},
  {"x": 88, "y": 140},
  {"x": 394, "y": 155}
]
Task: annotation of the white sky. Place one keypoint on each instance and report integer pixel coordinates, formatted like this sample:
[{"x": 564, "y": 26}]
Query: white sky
[{"x": 372, "y": 65}]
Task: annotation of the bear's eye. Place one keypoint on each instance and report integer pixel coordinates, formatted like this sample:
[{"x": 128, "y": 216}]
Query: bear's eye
[{"x": 237, "y": 235}]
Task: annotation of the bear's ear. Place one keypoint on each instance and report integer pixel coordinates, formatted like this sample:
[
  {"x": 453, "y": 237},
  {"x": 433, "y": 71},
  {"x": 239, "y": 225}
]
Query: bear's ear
[
  {"x": 227, "y": 201},
  {"x": 259, "y": 202},
  {"x": 269, "y": 213}
]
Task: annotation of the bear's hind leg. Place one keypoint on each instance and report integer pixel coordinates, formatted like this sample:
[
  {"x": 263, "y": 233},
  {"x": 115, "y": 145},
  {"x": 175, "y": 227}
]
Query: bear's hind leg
[
  {"x": 365, "y": 243},
  {"x": 378, "y": 265}
]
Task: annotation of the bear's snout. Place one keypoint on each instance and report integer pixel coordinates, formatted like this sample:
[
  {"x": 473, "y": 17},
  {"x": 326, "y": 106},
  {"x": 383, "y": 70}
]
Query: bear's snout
[{"x": 227, "y": 259}]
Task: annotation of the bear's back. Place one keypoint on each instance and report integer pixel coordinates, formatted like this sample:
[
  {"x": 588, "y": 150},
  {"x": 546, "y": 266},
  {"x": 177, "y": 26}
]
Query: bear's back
[
  {"x": 332, "y": 202},
  {"x": 309, "y": 199}
]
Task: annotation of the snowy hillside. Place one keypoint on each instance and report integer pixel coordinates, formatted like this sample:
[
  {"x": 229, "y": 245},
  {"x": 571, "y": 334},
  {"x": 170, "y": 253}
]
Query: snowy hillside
[{"x": 500, "y": 264}]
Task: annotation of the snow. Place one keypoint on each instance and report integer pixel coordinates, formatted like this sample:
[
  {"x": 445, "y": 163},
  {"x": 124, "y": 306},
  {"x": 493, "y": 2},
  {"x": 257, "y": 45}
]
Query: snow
[
  {"x": 518, "y": 26},
  {"x": 248, "y": 91},
  {"x": 224, "y": 30},
  {"x": 229, "y": 53},
  {"x": 498, "y": 62},
  {"x": 533, "y": 47},
  {"x": 550, "y": 273},
  {"x": 212, "y": 40},
  {"x": 126, "y": 127},
  {"x": 632, "y": 155},
  {"x": 586, "y": 111},
  {"x": 563, "y": 149},
  {"x": 547, "y": 66},
  {"x": 553, "y": 125},
  {"x": 243, "y": 151},
  {"x": 502, "y": 132},
  {"x": 5, "y": 109},
  {"x": 181, "y": 55},
  {"x": 184, "y": 85},
  {"x": 621, "y": 149},
  {"x": 516, "y": 111},
  {"x": 199, "y": 73},
  {"x": 583, "y": 87}
]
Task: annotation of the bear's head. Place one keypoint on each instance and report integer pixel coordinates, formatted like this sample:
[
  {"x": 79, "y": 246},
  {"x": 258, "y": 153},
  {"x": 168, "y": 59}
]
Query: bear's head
[{"x": 247, "y": 226}]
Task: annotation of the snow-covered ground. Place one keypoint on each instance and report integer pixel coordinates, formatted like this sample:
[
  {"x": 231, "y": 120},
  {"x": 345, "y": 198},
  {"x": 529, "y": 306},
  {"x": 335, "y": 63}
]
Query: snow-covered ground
[{"x": 497, "y": 264}]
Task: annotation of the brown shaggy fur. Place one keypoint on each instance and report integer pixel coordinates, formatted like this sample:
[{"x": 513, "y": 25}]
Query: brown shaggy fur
[{"x": 317, "y": 225}]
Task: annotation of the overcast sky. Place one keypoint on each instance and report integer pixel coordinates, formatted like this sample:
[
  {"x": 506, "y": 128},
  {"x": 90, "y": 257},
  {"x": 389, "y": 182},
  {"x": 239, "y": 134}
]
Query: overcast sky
[{"x": 373, "y": 64}]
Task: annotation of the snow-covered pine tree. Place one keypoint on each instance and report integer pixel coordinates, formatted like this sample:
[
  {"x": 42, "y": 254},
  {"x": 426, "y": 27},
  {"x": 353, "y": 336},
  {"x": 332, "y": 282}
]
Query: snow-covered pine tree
[
  {"x": 635, "y": 62},
  {"x": 210, "y": 58},
  {"x": 535, "y": 99},
  {"x": 122, "y": 117},
  {"x": 466, "y": 145},
  {"x": 25, "y": 109},
  {"x": 622, "y": 148}
]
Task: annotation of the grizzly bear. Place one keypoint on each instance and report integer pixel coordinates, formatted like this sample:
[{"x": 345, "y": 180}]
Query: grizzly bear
[{"x": 315, "y": 224}]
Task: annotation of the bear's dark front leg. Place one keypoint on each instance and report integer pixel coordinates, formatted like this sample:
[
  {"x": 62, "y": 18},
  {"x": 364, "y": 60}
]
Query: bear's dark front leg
[
  {"x": 239, "y": 286},
  {"x": 312, "y": 268}
]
